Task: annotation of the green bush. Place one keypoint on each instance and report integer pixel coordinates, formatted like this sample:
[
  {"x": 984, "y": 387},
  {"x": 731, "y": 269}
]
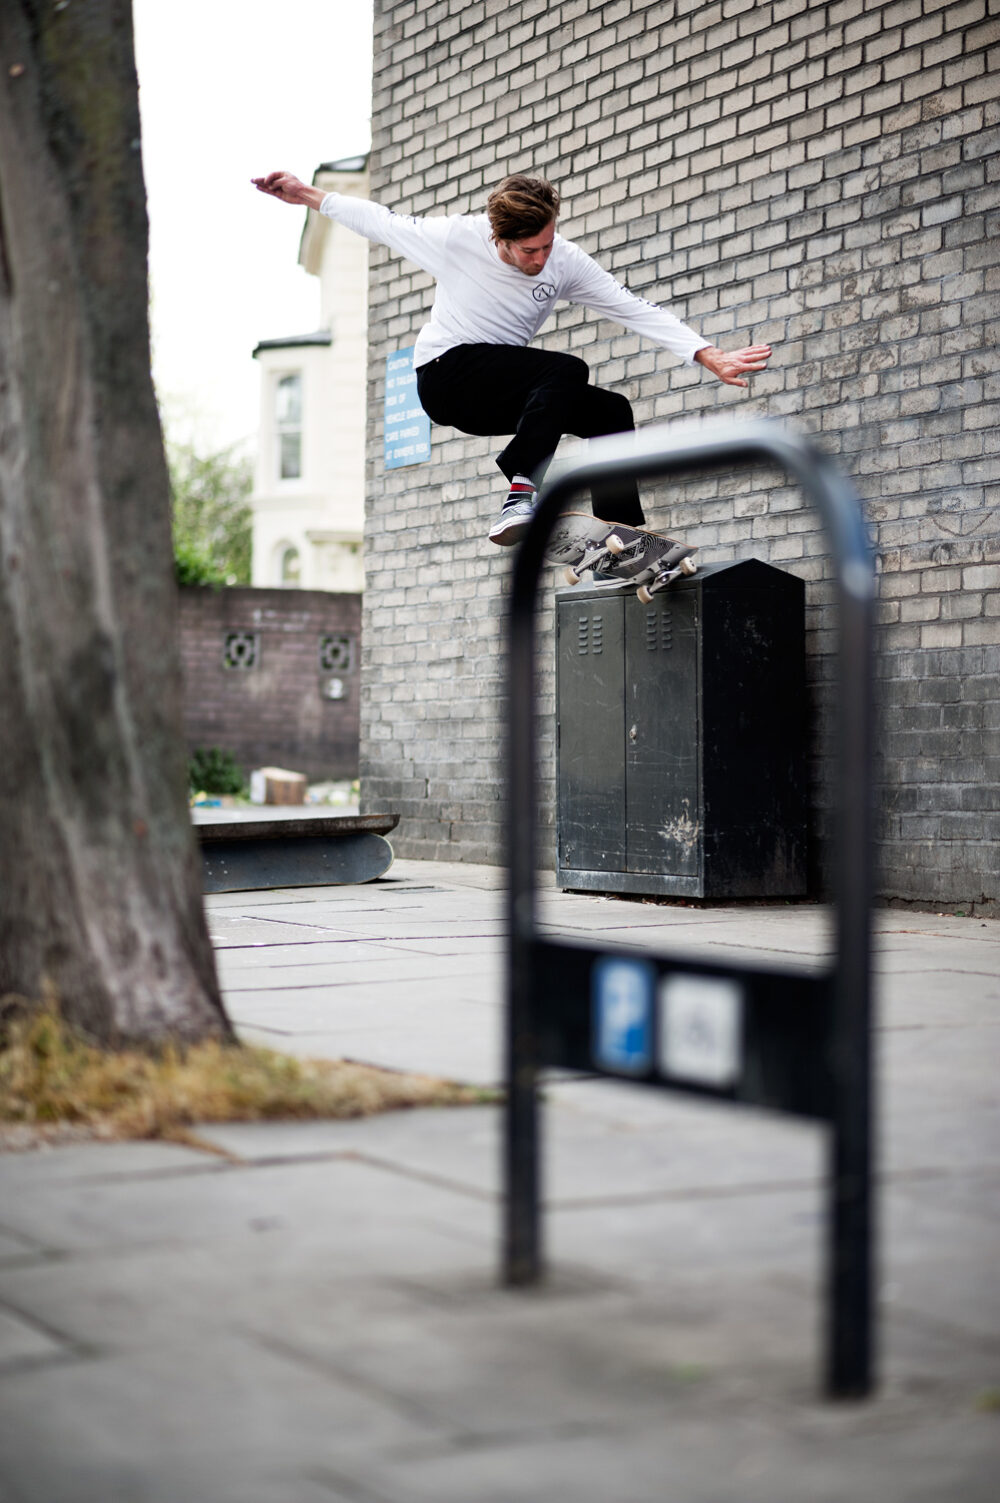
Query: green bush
[
  {"x": 212, "y": 770},
  {"x": 212, "y": 519},
  {"x": 193, "y": 566}
]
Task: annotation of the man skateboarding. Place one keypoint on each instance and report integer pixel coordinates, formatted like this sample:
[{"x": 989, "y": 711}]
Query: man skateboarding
[{"x": 499, "y": 275}]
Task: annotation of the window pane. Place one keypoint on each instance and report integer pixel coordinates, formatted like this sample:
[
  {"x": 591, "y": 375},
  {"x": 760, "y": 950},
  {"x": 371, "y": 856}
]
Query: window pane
[
  {"x": 291, "y": 456},
  {"x": 291, "y": 567},
  {"x": 288, "y": 403}
]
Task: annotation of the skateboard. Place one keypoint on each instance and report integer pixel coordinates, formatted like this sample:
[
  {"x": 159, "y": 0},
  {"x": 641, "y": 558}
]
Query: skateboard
[{"x": 627, "y": 555}]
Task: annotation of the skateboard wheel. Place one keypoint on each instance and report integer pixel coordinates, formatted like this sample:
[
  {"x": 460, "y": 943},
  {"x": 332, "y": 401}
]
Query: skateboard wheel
[
  {"x": 688, "y": 566},
  {"x": 643, "y": 594},
  {"x": 571, "y": 576},
  {"x": 614, "y": 544}
]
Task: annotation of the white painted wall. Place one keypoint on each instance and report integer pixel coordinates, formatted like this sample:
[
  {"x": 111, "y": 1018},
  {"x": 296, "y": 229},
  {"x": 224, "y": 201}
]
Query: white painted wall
[{"x": 320, "y": 514}]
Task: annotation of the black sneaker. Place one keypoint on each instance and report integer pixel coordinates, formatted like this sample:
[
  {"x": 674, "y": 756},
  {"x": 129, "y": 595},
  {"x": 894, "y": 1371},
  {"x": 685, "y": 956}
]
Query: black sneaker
[{"x": 513, "y": 521}]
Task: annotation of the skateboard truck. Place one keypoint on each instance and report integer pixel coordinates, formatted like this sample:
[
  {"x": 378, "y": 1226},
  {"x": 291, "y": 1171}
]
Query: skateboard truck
[
  {"x": 677, "y": 564},
  {"x": 686, "y": 567},
  {"x": 593, "y": 556}
]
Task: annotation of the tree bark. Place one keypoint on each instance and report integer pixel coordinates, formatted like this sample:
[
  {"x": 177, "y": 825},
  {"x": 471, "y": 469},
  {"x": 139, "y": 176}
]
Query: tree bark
[{"x": 100, "y": 892}]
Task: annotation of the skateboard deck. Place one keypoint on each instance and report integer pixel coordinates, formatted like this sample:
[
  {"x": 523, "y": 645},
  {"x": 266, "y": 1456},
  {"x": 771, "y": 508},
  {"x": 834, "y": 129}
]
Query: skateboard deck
[
  {"x": 625, "y": 555},
  {"x": 290, "y": 847}
]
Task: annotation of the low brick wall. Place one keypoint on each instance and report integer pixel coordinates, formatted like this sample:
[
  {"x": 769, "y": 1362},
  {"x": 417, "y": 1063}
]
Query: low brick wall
[{"x": 272, "y": 677}]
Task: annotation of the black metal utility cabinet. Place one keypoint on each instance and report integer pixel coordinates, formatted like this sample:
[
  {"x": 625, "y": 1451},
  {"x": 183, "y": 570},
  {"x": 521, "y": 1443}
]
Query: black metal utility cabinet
[{"x": 681, "y": 736}]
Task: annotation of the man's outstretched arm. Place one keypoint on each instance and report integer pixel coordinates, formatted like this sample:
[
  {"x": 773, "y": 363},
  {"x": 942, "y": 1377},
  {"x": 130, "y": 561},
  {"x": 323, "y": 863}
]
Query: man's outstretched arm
[
  {"x": 597, "y": 289},
  {"x": 290, "y": 189},
  {"x": 730, "y": 365},
  {"x": 420, "y": 240}
]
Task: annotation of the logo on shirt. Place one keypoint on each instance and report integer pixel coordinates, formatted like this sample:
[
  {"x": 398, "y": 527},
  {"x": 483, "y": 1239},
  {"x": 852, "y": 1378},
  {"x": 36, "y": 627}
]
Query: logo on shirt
[{"x": 543, "y": 291}]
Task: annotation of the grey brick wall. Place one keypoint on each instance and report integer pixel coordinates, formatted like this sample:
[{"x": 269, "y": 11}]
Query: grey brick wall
[{"x": 788, "y": 171}]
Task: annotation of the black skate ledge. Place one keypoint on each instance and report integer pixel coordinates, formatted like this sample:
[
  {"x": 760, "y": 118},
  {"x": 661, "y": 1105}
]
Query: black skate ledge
[{"x": 246, "y": 850}]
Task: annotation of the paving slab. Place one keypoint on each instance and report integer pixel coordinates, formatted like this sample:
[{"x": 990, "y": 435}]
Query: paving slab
[{"x": 312, "y": 1311}]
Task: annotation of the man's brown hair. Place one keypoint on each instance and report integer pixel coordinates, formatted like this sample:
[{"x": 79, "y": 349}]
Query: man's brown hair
[{"x": 521, "y": 206}]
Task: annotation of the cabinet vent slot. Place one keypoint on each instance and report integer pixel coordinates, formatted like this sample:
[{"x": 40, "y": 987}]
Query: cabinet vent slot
[
  {"x": 590, "y": 630},
  {"x": 659, "y": 631}
]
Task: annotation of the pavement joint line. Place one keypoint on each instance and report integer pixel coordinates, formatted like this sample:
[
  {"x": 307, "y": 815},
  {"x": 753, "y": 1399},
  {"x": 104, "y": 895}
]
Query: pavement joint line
[
  {"x": 235, "y": 989},
  {"x": 279, "y": 1033},
  {"x": 24, "y": 1260},
  {"x": 248, "y": 970},
  {"x": 333, "y": 937},
  {"x": 740, "y": 945},
  {"x": 649, "y": 922},
  {"x": 271, "y": 1160},
  {"x": 425, "y": 1176},
  {"x": 71, "y": 1346},
  {"x": 328, "y": 938},
  {"x": 471, "y": 1441},
  {"x": 283, "y": 1160},
  {"x": 348, "y": 1489},
  {"x": 685, "y": 1194},
  {"x": 933, "y": 1324},
  {"x": 933, "y": 970},
  {"x": 934, "y": 1027},
  {"x": 29, "y": 1243},
  {"x": 492, "y": 931},
  {"x": 937, "y": 1171},
  {"x": 410, "y": 1408},
  {"x": 563, "y": 1280},
  {"x": 266, "y": 919},
  {"x": 48, "y": 1360},
  {"x": 172, "y": 1171},
  {"x": 338, "y": 936},
  {"x": 107, "y": 1252},
  {"x": 240, "y": 985},
  {"x": 264, "y": 944},
  {"x": 885, "y": 1180}
]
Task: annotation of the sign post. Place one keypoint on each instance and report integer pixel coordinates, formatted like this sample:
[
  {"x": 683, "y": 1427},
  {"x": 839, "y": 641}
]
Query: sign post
[{"x": 788, "y": 1040}]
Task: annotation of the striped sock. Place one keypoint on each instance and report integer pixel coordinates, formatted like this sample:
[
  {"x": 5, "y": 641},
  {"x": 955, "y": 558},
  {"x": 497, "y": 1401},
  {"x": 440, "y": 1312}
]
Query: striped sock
[{"x": 521, "y": 489}]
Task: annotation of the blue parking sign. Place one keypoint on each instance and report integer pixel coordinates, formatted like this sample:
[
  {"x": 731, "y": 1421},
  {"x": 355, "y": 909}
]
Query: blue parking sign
[
  {"x": 407, "y": 427},
  {"x": 622, "y": 993}
]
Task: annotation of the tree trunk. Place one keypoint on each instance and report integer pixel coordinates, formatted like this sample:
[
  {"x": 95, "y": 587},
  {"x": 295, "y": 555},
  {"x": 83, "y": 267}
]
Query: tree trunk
[{"x": 100, "y": 893}]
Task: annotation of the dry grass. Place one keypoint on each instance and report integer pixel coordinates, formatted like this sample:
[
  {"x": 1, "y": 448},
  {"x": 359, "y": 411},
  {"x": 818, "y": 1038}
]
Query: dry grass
[{"x": 55, "y": 1085}]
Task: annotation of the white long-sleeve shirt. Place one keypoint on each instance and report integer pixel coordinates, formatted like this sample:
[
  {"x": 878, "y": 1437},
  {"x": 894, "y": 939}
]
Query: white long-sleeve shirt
[{"x": 481, "y": 300}]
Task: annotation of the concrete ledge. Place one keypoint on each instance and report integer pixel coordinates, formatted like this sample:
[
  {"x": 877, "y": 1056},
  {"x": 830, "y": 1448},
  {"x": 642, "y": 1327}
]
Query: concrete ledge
[
  {"x": 248, "y": 850},
  {"x": 283, "y": 821}
]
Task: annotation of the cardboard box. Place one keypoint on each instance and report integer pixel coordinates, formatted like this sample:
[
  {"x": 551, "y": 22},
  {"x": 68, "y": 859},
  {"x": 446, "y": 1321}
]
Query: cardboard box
[{"x": 276, "y": 785}]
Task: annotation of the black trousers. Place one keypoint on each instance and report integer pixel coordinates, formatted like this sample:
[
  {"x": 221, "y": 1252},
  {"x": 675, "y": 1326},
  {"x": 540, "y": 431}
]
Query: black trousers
[{"x": 537, "y": 395}]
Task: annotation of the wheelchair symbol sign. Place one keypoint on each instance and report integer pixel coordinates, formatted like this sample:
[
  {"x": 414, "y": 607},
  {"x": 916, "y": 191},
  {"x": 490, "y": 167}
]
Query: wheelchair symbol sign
[
  {"x": 701, "y": 1029},
  {"x": 623, "y": 994}
]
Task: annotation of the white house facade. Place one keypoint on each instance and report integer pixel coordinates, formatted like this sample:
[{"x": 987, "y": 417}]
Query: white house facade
[{"x": 309, "y": 486}]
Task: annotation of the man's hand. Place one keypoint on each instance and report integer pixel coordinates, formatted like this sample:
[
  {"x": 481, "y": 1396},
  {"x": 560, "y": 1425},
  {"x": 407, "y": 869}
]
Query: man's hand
[
  {"x": 729, "y": 366},
  {"x": 289, "y": 188}
]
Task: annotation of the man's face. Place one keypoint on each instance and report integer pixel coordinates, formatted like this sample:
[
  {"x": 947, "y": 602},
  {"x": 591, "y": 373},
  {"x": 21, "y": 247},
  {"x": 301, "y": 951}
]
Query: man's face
[{"x": 530, "y": 254}]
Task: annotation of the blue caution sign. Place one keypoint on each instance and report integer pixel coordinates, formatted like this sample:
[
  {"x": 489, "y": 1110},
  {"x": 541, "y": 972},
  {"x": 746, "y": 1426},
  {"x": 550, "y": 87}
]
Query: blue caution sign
[
  {"x": 622, "y": 993},
  {"x": 407, "y": 427}
]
